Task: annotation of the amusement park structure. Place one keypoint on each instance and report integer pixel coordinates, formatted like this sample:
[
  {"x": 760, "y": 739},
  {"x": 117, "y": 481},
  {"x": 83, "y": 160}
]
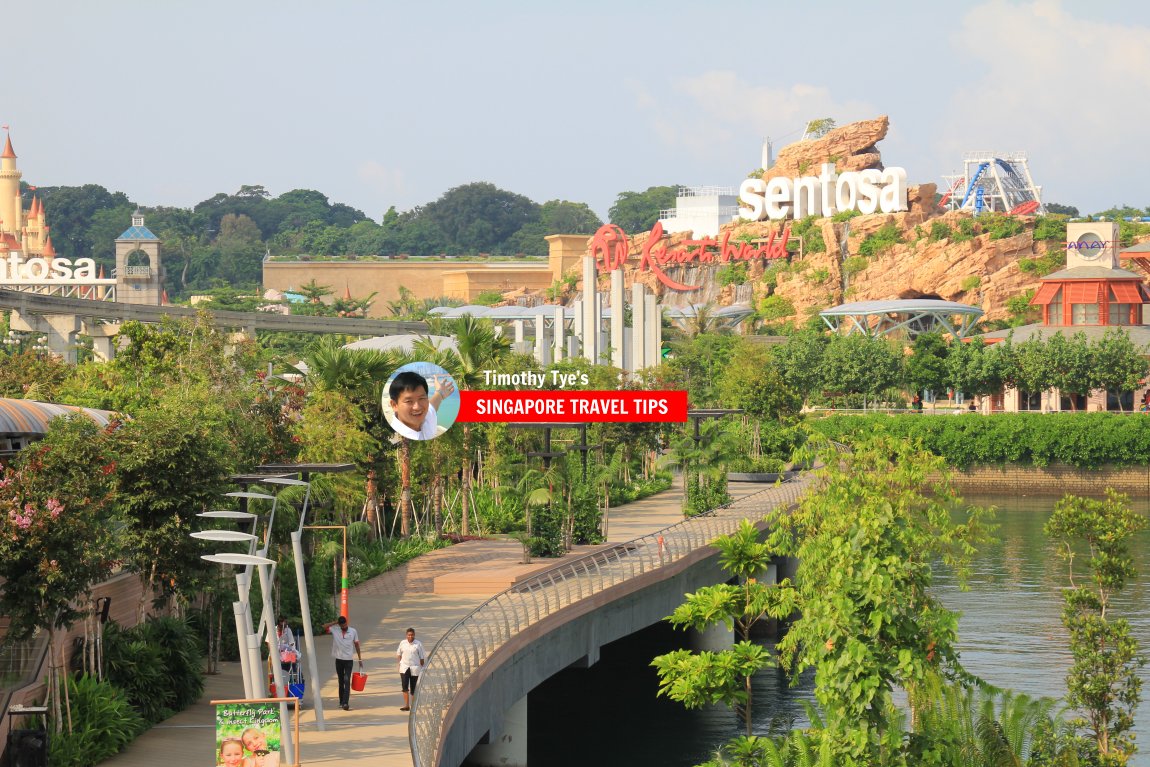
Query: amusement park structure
[{"x": 996, "y": 182}]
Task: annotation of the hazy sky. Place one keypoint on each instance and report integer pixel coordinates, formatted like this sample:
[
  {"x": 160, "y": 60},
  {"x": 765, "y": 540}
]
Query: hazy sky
[{"x": 384, "y": 103}]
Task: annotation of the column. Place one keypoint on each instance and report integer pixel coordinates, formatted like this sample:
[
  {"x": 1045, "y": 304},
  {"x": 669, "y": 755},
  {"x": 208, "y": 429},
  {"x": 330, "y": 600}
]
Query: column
[
  {"x": 591, "y": 314},
  {"x": 653, "y": 340},
  {"x": 559, "y": 329},
  {"x": 509, "y": 747},
  {"x": 617, "y": 316},
  {"x": 638, "y": 359}
]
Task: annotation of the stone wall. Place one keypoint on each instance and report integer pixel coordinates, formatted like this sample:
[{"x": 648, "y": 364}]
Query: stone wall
[{"x": 1051, "y": 480}]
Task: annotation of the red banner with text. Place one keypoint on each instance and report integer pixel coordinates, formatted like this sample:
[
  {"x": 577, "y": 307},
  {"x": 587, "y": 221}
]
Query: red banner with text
[{"x": 572, "y": 406}]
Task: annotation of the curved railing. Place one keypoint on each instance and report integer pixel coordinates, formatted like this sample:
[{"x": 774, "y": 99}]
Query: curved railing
[{"x": 471, "y": 641}]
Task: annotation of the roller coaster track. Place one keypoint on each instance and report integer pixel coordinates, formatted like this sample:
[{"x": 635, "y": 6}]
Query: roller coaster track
[{"x": 110, "y": 311}]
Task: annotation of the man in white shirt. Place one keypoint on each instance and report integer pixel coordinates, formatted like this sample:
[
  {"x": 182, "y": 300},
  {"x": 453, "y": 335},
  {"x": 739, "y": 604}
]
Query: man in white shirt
[
  {"x": 344, "y": 641},
  {"x": 413, "y": 411},
  {"x": 410, "y": 656}
]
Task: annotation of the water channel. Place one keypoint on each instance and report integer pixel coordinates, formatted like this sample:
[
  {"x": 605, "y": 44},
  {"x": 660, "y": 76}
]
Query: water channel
[{"x": 1010, "y": 634}]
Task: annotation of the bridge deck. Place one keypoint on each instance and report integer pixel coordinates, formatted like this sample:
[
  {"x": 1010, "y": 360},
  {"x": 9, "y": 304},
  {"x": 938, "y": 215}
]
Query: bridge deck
[{"x": 375, "y": 730}]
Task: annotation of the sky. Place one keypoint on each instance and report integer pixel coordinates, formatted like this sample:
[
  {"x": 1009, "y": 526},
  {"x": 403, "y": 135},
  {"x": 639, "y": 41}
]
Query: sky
[{"x": 385, "y": 103}]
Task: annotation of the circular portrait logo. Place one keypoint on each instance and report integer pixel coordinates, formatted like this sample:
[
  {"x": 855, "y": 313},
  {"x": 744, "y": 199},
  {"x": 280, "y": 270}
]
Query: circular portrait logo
[{"x": 420, "y": 401}]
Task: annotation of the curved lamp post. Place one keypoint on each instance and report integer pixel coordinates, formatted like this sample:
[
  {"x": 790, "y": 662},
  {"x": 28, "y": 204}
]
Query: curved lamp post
[{"x": 263, "y": 566}]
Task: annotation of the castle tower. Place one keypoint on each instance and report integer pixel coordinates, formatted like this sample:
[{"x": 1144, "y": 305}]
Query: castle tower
[
  {"x": 139, "y": 276},
  {"x": 11, "y": 209}
]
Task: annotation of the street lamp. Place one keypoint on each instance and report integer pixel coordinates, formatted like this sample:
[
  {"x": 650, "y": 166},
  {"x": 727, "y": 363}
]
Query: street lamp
[
  {"x": 240, "y": 607},
  {"x": 263, "y": 566}
]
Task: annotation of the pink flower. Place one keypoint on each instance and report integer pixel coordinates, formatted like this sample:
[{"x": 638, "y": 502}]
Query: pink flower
[{"x": 54, "y": 508}]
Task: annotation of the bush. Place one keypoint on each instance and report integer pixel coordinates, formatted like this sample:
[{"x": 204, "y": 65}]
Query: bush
[
  {"x": 103, "y": 723},
  {"x": 886, "y": 237},
  {"x": 855, "y": 264},
  {"x": 939, "y": 230},
  {"x": 1082, "y": 440},
  {"x": 845, "y": 215},
  {"x": 488, "y": 298},
  {"x": 999, "y": 226},
  {"x": 157, "y": 665},
  {"x": 732, "y": 274},
  {"x": 971, "y": 283},
  {"x": 966, "y": 230},
  {"x": 775, "y": 307},
  {"x": 1050, "y": 228}
]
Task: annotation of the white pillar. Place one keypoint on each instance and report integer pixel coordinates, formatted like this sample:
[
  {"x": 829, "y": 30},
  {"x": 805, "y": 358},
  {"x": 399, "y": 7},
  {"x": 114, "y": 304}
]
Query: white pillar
[
  {"x": 617, "y": 316},
  {"x": 652, "y": 338},
  {"x": 542, "y": 343},
  {"x": 591, "y": 314},
  {"x": 241, "y": 633},
  {"x": 560, "y": 332},
  {"x": 269, "y": 622},
  {"x": 509, "y": 748},
  {"x": 638, "y": 326},
  {"x": 577, "y": 344}
]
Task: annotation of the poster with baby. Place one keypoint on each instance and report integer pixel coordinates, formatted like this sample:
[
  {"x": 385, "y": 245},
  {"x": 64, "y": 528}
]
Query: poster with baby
[{"x": 247, "y": 735}]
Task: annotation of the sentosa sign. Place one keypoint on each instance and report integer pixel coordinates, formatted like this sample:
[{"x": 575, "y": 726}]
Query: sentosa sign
[
  {"x": 15, "y": 270},
  {"x": 609, "y": 247},
  {"x": 867, "y": 191}
]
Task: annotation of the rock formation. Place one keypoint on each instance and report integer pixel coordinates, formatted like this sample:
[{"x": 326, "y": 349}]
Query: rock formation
[{"x": 851, "y": 147}]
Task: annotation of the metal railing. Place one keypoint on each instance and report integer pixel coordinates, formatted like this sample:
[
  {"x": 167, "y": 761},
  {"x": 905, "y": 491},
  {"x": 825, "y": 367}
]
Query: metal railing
[{"x": 475, "y": 638}]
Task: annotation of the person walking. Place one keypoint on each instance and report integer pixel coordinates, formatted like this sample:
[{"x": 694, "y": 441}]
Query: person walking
[
  {"x": 410, "y": 657},
  {"x": 344, "y": 641}
]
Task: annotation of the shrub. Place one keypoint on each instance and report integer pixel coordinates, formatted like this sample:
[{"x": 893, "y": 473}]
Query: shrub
[
  {"x": 1049, "y": 228},
  {"x": 1042, "y": 265},
  {"x": 156, "y": 664},
  {"x": 1000, "y": 226},
  {"x": 886, "y": 237},
  {"x": 488, "y": 298},
  {"x": 103, "y": 723},
  {"x": 845, "y": 215},
  {"x": 1083, "y": 440},
  {"x": 775, "y": 307},
  {"x": 855, "y": 264},
  {"x": 971, "y": 283},
  {"x": 967, "y": 229},
  {"x": 818, "y": 275},
  {"x": 732, "y": 274},
  {"x": 939, "y": 230}
]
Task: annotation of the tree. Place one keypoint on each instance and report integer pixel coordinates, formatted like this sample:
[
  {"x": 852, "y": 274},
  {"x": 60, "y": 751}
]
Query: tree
[
  {"x": 1119, "y": 365},
  {"x": 696, "y": 679},
  {"x": 480, "y": 217},
  {"x": 926, "y": 368},
  {"x": 1072, "y": 365},
  {"x": 637, "y": 212},
  {"x": 70, "y": 209},
  {"x": 1063, "y": 210},
  {"x": 241, "y": 249},
  {"x": 56, "y": 533},
  {"x": 858, "y": 364},
  {"x": 1103, "y": 680},
  {"x": 800, "y": 361},
  {"x": 869, "y": 622}
]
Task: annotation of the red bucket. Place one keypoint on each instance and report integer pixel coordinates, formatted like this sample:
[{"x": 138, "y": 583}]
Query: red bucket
[{"x": 358, "y": 681}]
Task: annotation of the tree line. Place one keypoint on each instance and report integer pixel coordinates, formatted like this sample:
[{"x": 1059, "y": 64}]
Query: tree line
[{"x": 224, "y": 239}]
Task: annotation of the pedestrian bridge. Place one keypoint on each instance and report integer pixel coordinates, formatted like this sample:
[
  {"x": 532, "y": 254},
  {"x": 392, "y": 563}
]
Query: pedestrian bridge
[{"x": 489, "y": 660}]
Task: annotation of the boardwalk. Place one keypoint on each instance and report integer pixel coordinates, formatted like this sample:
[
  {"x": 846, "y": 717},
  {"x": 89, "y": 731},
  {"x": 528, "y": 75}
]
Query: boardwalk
[{"x": 375, "y": 729}]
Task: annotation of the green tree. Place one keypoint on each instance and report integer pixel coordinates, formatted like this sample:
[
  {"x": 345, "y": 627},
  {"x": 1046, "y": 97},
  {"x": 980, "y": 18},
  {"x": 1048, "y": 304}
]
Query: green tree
[
  {"x": 858, "y": 364},
  {"x": 241, "y": 249},
  {"x": 480, "y": 217},
  {"x": 800, "y": 361},
  {"x": 637, "y": 212},
  {"x": 1072, "y": 365},
  {"x": 1103, "y": 681},
  {"x": 869, "y": 622},
  {"x": 70, "y": 210},
  {"x": 926, "y": 368},
  {"x": 56, "y": 533},
  {"x": 697, "y": 679},
  {"x": 1119, "y": 365}
]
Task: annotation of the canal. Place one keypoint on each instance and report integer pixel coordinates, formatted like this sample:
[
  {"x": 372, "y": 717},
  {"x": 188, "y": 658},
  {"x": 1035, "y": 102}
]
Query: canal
[{"x": 1010, "y": 634}]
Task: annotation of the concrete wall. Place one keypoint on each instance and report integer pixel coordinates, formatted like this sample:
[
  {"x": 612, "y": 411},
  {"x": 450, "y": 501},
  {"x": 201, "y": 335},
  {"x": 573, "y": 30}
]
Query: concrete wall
[{"x": 570, "y": 636}]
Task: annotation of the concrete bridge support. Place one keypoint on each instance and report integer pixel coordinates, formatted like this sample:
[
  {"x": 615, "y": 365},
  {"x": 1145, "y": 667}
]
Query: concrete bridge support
[
  {"x": 509, "y": 748},
  {"x": 59, "y": 329},
  {"x": 103, "y": 348}
]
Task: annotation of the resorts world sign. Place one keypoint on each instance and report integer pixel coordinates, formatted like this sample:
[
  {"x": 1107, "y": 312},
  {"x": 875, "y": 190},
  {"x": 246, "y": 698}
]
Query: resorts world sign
[
  {"x": 867, "y": 191},
  {"x": 58, "y": 270}
]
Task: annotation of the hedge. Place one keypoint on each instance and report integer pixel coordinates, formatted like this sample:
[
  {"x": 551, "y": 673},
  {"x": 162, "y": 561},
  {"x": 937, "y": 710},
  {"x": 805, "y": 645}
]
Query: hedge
[{"x": 1082, "y": 440}]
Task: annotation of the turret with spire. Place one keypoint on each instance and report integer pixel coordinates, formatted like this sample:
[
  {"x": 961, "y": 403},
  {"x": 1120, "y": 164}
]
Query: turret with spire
[{"x": 11, "y": 208}]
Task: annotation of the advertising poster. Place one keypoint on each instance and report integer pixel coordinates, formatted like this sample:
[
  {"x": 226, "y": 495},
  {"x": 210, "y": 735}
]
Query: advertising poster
[{"x": 247, "y": 735}]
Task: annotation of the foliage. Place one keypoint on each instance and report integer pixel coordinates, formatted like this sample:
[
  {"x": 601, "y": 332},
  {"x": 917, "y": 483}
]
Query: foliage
[
  {"x": 775, "y": 307},
  {"x": 636, "y": 212},
  {"x": 696, "y": 679},
  {"x": 854, "y": 265},
  {"x": 1051, "y": 227},
  {"x": 732, "y": 274},
  {"x": 55, "y": 533},
  {"x": 800, "y": 361},
  {"x": 1000, "y": 226},
  {"x": 755, "y": 386},
  {"x": 157, "y": 665},
  {"x": 1020, "y": 309},
  {"x": 103, "y": 724},
  {"x": 845, "y": 215},
  {"x": 1043, "y": 265},
  {"x": 821, "y": 274},
  {"x": 697, "y": 365},
  {"x": 488, "y": 298},
  {"x": 967, "y": 229},
  {"x": 939, "y": 230},
  {"x": 1103, "y": 681},
  {"x": 869, "y": 622},
  {"x": 27, "y": 374},
  {"x": 879, "y": 242},
  {"x": 926, "y": 368},
  {"x": 969, "y": 283},
  {"x": 810, "y": 229},
  {"x": 859, "y": 364},
  {"x": 1084, "y": 440}
]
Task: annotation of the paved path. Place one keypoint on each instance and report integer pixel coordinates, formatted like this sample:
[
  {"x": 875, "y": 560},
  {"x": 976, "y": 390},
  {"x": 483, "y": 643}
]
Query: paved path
[{"x": 375, "y": 729}]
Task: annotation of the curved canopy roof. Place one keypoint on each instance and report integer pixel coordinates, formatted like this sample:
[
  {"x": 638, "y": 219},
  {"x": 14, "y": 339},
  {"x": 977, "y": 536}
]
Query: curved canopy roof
[
  {"x": 28, "y": 418},
  {"x": 912, "y": 316}
]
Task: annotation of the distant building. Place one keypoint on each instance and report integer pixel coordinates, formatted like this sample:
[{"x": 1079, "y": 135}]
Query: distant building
[
  {"x": 701, "y": 210},
  {"x": 23, "y": 231},
  {"x": 1092, "y": 295}
]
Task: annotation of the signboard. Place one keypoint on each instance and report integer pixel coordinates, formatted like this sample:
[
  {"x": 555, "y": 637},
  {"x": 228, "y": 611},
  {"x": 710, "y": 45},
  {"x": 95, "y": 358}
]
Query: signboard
[
  {"x": 14, "y": 270},
  {"x": 248, "y": 734},
  {"x": 609, "y": 247},
  {"x": 867, "y": 191}
]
